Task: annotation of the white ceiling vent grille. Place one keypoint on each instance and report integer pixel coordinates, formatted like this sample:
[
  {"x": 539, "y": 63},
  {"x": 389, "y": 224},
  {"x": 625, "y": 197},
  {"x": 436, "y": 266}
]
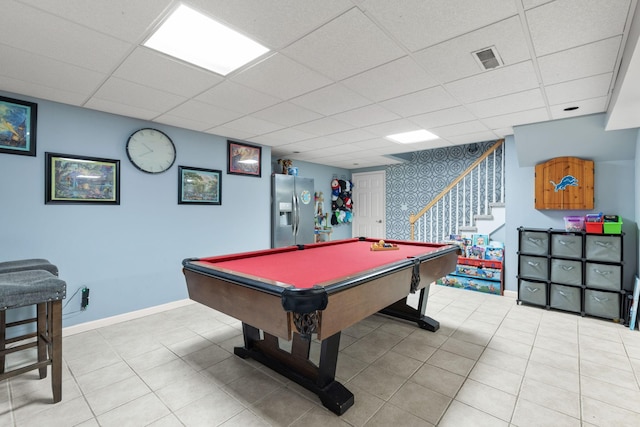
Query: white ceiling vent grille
[{"x": 488, "y": 58}]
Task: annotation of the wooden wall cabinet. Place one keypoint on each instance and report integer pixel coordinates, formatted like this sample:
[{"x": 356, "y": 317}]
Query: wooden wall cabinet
[{"x": 564, "y": 183}]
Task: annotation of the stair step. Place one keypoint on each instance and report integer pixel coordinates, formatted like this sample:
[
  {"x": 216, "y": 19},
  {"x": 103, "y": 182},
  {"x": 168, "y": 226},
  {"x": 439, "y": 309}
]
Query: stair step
[{"x": 488, "y": 217}]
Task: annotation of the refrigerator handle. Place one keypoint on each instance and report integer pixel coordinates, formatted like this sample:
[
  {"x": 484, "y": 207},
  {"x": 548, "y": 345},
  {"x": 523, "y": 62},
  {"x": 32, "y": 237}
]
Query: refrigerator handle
[
  {"x": 297, "y": 214},
  {"x": 294, "y": 214}
]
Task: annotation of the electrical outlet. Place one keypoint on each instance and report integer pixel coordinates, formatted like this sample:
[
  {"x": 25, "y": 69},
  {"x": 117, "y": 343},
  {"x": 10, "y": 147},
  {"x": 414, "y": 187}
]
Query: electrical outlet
[{"x": 85, "y": 299}]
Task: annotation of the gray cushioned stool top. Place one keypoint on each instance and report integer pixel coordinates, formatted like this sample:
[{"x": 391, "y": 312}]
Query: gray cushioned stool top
[
  {"x": 28, "y": 264},
  {"x": 29, "y": 287}
]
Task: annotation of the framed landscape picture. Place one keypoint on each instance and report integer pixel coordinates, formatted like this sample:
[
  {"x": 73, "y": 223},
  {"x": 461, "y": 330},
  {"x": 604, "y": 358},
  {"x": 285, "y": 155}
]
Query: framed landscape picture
[
  {"x": 18, "y": 126},
  {"x": 82, "y": 180},
  {"x": 199, "y": 186},
  {"x": 244, "y": 159}
]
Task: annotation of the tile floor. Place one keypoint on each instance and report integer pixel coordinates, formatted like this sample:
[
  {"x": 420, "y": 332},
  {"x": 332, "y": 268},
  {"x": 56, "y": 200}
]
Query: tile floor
[{"x": 492, "y": 363}]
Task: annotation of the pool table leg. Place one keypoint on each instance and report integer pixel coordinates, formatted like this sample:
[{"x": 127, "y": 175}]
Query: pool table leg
[
  {"x": 402, "y": 310},
  {"x": 296, "y": 365}
]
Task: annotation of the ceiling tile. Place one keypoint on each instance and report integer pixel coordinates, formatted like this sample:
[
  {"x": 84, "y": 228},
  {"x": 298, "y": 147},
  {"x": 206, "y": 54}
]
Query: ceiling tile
[
  {"x": 454, "y": 59},
  {"x": 520, "y": 101},
  {"x": 424, "y": 101},
  {"x": 353, "y": 135},
  {"x": 554, "y": 26},
  {"x": 230, "y": 133},
  {"x": 204, "y": 113},
  {"x": 282, "y": 136},
  {"x": 584, "y": 61},
  {"x": 286, "y": 114},
  {"x": 182, "y": 122},
  {"x": 587, "y": 106},
  {"x": 575, "y": 90},
  {"x": 472, "y": 137},
  {"x": 392, "y": 127},
  {"x": 46, "y": 72},
  {"x": 29, "y": 88},
  {"x": 390, "y": 80},
  {"x": 494, "y": 83},
  {"x": 135, "y": 95},
  {"x": 514, "y": 119},
  {"x": 125, "y": 19},
  {"x": 347, "y": 45},
  {"x": 276, "y": 23},
  {"x": 323, "y": 126},
  {"x": 444, "y": 117},
  {"x": 418, "y": 24},
  {"x": 459, "y": 129},
  {"x": 281, "y": 77},
  {"x": 253, "y": 124},
  {"x": 60, "y": 39},
  {"x": 502, "y": 132},
  {"x": 150, "y": 68},
  {"x": 236, "y": 97},
  {"x": 120, "y": 109},
  {"x": 331, "y": 100},
  {"x": 367, "y": 115}
]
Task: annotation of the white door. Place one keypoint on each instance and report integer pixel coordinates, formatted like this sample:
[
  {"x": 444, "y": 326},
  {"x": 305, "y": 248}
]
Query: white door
[{"x": 369, "y": 204}]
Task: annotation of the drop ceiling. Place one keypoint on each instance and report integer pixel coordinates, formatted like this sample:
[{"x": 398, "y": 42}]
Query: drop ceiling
[{"x": 340, "y": 74}]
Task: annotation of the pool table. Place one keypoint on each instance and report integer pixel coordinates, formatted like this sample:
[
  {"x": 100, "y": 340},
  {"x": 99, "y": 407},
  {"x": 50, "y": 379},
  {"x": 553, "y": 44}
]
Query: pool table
[{"x": 296, "y": 292}]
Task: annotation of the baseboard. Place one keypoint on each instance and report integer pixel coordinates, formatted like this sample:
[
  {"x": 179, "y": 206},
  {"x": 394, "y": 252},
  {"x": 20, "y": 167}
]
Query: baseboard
[
  {"x": 510, "y": 294},
  {"x": 108, "y": 321}
]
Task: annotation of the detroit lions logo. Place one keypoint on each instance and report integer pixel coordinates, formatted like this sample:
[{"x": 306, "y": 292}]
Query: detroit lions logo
[{"x": 564, "y": 182}]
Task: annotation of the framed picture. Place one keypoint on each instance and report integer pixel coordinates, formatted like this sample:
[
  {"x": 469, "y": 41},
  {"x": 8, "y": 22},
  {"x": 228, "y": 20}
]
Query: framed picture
[
  {"x": 199, "y": 186},
  {"x": 244, "y": 159},
  {"x": 18, "y": 126},
  {"x": 79, "y": 179}
]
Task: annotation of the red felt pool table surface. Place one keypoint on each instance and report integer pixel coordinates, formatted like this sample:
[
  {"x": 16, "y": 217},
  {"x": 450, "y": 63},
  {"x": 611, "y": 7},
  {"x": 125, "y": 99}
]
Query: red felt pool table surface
[{"x": 317, "y": 264}]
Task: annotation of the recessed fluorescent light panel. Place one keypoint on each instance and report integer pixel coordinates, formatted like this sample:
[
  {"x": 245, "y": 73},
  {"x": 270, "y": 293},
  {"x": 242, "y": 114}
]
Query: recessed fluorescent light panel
[
  {"x": 193, "y": 37},
  {"x": 412, "y": 137}
]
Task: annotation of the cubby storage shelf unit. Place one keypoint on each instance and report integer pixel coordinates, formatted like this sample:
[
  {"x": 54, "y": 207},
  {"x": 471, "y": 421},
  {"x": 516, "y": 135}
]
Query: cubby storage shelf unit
[{"x": 575, "y": 272}]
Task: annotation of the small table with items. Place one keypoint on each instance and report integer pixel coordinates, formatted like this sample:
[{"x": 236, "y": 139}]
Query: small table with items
[{"x": 322, "y": 288}]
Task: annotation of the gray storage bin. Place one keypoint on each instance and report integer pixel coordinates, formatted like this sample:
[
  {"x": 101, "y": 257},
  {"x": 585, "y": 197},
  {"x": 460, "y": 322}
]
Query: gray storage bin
[
  {"x": 534, "y": 267},
  {"x": 567, "y": 298},
  {"x": 603, "y": 248},
  {"x": 566, "y": 245},
  {"x": 603, "y": 276},
  {"x": 602, "y": 304},
  {"x": 566, "y": 272},
  {"x": 534, "y": 242},
  {"x": 532, "y": 292}
]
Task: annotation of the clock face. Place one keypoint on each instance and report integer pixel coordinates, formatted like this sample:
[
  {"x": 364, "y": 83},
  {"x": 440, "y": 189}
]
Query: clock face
[{"x": 151, "y": 151}]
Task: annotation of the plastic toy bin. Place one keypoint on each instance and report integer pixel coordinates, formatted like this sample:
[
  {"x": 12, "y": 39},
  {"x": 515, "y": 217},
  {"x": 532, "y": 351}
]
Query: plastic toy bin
[
  {"x": 594, "y": 227},
  {"x": 612, "y": 227},
  {"x": 574, "y": 223}
]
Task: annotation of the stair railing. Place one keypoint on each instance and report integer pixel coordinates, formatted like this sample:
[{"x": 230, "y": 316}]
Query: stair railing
[{"x": 467, "y": 197}]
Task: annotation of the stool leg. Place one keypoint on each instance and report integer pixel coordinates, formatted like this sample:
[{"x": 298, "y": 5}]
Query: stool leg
[
  {"x": 55, "y": 327},
  {"x": 42, "y": 336},
  {"x": 3, "y": 331}
]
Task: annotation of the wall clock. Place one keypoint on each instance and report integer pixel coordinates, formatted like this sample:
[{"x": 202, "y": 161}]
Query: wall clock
[{"x": 151, "y": 150}]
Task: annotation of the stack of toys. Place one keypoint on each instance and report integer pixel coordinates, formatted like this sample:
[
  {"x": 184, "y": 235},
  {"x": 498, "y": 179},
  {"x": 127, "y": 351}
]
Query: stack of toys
[{"x": 479, "y": 267}]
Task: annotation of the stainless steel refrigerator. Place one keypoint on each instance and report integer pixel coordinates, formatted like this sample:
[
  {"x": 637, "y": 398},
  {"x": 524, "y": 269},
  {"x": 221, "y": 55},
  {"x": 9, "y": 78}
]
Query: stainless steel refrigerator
[{"x": 292, "y": 210}]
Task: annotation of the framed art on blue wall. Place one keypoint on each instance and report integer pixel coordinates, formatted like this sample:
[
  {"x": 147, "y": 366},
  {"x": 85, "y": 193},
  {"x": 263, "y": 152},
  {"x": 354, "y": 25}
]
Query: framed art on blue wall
[
  {"x": 81, "y": 180},
  {"x": 18, "y": 126},
  {"x": 244, "y": 159},
  {"x": 199, "y": 186}
]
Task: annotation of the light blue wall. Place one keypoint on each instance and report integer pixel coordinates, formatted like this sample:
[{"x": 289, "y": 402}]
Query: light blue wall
[
  {"x": 614, "y": 187},
  {"x": 129, "y": 255}
]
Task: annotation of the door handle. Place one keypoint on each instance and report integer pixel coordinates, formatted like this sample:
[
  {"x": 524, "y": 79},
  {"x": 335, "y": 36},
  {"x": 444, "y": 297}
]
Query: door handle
[{"x": 379, "y": 221}]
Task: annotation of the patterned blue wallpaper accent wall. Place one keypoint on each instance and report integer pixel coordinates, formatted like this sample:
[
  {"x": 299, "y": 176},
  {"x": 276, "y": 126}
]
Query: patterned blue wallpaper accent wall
[{"x": 410, "y": 186}]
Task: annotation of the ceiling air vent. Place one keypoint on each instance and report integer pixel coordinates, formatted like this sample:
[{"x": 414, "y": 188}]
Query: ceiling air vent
[{"x": 488, "y": 58}]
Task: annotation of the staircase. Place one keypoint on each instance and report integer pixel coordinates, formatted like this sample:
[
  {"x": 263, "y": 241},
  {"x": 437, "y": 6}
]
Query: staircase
[{"x": 472, "y": 203}]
